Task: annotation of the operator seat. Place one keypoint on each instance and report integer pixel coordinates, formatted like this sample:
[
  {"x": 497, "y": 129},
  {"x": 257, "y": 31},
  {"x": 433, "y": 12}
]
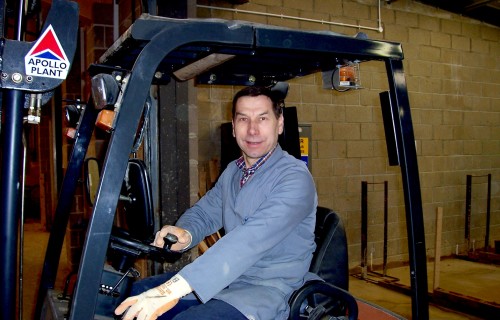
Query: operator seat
[{"x": 328, "y": 296}]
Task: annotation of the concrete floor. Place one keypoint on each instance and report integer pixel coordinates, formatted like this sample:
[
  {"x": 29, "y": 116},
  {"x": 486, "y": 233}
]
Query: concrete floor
[
  {"x": 470, "y": 279},
  {"x": 35, "y": 245}
]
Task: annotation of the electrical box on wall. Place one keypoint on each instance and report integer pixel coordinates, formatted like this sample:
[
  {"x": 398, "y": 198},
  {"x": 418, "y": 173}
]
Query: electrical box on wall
[{"x": 305, "y": 137}]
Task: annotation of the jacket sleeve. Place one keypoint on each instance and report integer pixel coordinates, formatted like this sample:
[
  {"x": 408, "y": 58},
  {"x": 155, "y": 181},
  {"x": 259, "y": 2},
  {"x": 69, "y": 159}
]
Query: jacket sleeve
[{"x": 205, "y": 217}]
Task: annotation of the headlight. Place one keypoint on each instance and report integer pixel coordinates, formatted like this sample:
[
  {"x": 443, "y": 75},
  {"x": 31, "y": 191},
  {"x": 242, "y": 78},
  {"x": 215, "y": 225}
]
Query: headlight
[{"x": 105, "y": 90}]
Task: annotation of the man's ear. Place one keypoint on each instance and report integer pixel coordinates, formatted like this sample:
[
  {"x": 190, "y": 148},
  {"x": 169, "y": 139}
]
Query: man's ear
[
  {"x": 281, "y": 123},
  {"x": 232, "y": 126}
]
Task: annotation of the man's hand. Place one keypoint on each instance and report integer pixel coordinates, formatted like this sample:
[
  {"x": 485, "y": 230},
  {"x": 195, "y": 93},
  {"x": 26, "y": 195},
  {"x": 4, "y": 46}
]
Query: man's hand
[
  {"x": 183, "y": 238},
  {"x": 151, "y": 304}
]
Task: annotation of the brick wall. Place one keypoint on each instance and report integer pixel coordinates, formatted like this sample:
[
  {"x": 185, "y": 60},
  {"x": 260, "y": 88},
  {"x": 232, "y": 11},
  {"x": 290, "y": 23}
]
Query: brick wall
[{"x": 453, "y": 78}]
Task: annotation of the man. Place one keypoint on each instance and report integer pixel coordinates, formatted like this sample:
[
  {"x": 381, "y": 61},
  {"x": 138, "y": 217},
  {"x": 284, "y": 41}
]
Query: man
[{"x": 266, "y": 203}]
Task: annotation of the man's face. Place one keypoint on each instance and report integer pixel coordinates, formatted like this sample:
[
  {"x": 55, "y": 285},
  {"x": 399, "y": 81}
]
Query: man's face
[{"x": 255, "y": 127}]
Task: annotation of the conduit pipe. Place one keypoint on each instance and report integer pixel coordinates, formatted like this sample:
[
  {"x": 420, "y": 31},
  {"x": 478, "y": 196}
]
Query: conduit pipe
[{"x": 282, "y": 16}]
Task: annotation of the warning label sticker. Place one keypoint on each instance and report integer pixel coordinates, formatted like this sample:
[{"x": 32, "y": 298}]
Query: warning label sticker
[
  {"x": 304, "y": 146},
  {"x": 47, "y": 57}
]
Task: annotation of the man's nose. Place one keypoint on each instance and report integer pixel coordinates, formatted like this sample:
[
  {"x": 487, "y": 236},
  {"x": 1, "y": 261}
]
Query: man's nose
[{"x": 253, "y": 127}]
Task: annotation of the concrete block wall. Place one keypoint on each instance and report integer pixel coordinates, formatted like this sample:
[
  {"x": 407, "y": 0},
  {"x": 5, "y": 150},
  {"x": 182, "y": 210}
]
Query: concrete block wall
[{"x": 452, "y": 70}]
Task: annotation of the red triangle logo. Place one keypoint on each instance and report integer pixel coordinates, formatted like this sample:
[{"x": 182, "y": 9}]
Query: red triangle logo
[{"x": 49, "y": 41}]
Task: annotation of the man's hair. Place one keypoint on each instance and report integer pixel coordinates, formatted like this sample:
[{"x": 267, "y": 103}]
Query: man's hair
[{"x": 254, "y": 91}]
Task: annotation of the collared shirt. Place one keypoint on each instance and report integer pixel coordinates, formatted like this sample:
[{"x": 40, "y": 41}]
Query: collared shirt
[{"x": 248, "y": 172}]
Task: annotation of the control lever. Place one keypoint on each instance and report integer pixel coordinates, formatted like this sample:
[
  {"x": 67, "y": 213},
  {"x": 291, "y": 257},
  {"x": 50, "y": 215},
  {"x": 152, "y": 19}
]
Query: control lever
[
  {"x": 169, "y": 240},
  {"x": 64, "y": 295},
  {"x": 110, "y": 291}
]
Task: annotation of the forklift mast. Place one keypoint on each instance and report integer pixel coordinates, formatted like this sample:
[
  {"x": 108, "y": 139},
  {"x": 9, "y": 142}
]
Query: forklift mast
[{"x": 29, "y": 74}]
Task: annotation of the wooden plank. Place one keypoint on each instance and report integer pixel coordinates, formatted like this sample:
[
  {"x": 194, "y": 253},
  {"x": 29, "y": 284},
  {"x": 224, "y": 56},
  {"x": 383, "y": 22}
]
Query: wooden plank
[
  {"x": 437, "y": 255},
  {"x": 213, "y": 169},
  {"x": 202, "y": 181}
]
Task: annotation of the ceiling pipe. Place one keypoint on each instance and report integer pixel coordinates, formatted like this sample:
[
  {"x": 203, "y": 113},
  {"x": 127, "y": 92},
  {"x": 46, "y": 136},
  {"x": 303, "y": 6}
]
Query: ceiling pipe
[
  {"x": 282, "y": 16},
  {"x": 477, "y": 4}
]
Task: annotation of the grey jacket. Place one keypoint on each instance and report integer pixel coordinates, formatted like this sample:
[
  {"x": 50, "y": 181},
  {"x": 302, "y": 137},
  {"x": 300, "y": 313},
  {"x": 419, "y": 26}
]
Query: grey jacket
[{"x": 266, "y": 252}]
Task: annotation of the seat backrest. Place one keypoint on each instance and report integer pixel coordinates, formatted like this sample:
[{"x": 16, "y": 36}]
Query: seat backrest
[{"x": 330, "y": 260}]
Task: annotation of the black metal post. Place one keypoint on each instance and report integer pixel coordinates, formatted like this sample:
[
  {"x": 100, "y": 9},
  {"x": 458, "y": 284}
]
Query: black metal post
[
  {"x": 364, "y": 226},
  {"x": 386, "y": 215},
  {"x": 468, "y": 197},
  {"x": 411, "y": 187},
  {"x": 488, "y": 216},
  {"x": 10, "y": 196}
]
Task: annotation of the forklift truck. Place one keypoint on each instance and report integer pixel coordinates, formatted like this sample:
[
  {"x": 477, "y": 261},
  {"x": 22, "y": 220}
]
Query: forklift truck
[{"x": 158, "y": 50}]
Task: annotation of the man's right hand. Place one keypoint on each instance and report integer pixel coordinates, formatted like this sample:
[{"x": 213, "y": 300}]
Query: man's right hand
[
  {"x": 183, "y": 238},
  {"x": 150, "y": 304}
]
